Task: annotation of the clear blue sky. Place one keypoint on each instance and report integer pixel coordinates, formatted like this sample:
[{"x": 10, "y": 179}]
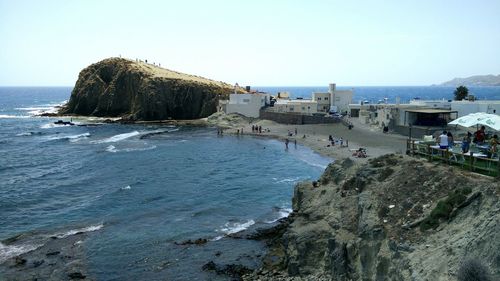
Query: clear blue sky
[{"x": 254, "y": 42}]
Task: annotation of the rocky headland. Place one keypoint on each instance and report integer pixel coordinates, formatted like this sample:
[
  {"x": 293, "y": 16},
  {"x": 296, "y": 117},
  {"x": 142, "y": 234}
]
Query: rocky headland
[
  {"x": 138, "y": 91},
  {"x": 392, "y": 218},
  {"x": 477, "y": 80}
]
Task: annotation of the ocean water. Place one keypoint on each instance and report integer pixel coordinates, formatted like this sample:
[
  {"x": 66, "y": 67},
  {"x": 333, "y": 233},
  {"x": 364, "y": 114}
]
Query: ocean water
[{"x": 137, "y": 192}]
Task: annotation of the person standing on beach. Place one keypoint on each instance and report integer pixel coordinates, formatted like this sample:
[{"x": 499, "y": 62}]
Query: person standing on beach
[
  {"x": 286, "y": 143},
  {"x": 466, "y": 142},
  {"x": 295, "y": 131},
  {"x": 260, "y": 129}
]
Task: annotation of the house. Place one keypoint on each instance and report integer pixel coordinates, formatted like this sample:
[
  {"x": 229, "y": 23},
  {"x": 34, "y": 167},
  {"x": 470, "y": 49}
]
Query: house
[{"x": 247, "y": 104}]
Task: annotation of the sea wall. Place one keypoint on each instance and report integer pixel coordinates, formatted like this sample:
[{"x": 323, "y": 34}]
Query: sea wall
[{"x": 297, "y": 119}]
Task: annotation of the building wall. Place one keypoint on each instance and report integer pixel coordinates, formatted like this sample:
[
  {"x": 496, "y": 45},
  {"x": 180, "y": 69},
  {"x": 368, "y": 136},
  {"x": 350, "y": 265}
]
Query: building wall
[
  {"x": 246, "y": 104},
  {"x": 323, "y": 100},
  {"x": 295, "y": 106},
  {"x": 299, "y": 119},
  {"x": 467, "y": 107},
  {"x": 342, "y": 99}
]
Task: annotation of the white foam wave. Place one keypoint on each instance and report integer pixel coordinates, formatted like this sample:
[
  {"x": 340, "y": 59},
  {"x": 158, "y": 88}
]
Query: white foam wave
[
  {"x": 7, "y": 252},
  {"x": 6, "y": 116},
  {"x": 113, "y": 149},
  {"x": 286, "y": 180},
  {"x": 118, "y": 138},
  {"x": 90, "y": 228},
  {"x": 71, "y": 138},
  {"x": 126, "y": 187},
  {"x": 52, "y": 125},
  {"x": 282, "y": 213},
  {"x": 231, "y": 228}
]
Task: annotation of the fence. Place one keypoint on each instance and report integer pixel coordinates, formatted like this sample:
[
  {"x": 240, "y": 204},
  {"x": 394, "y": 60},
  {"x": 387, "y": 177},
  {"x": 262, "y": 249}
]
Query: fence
[{"x": 473, "y": 161}]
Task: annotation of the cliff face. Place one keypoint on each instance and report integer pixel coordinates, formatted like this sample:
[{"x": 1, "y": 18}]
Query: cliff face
[
  {"x": 138, "y": 91},
  {"x": 367, "y": 224}
]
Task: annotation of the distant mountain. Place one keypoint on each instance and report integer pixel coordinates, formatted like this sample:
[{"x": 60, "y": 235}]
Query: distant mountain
[{"x": 478, "y": 80}]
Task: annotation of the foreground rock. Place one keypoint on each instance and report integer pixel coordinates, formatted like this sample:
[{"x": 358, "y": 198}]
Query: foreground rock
[
  {"x": 382, "y": 221},
  {"x": 132, "y": 90}
]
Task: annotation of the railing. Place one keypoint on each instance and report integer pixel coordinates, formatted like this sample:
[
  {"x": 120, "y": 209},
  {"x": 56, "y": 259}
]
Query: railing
[{"x": 474, "y": 160}]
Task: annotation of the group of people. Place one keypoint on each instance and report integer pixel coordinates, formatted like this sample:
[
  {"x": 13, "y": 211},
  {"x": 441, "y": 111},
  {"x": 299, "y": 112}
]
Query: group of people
[
  {"x": 256, "y": 129},
  {"x": 340, "y": 141},
  {"x": 446, "y": 141}
]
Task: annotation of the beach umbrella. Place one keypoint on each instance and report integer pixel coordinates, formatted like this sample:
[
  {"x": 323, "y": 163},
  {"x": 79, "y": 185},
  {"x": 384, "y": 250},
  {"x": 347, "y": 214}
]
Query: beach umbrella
[{"x": 479, "y": 118}]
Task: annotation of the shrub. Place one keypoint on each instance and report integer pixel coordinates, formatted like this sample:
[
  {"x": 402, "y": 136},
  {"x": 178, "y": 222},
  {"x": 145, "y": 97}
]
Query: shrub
[{"x": 473, "y": 270}]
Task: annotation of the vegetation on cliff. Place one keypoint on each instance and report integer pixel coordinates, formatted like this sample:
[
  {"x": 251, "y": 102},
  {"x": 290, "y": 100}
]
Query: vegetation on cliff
[
  {"x": 362, "y": 223},
  {"x": 133, "y": 90}
]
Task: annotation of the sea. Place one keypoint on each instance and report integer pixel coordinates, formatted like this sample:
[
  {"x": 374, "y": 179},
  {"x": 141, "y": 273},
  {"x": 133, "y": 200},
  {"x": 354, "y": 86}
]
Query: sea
[{"x": 141, "y": 190}]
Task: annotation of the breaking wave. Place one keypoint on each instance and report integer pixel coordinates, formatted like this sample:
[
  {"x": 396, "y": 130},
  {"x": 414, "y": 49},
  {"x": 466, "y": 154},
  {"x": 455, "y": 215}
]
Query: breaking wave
[{"x": 118, "y": 138}]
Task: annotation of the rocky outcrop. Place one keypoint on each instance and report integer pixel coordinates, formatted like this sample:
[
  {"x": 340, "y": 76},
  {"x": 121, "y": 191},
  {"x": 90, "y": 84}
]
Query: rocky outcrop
[
  {"x": 362, "y": 223},
  {"x": 133, "y": 90}
]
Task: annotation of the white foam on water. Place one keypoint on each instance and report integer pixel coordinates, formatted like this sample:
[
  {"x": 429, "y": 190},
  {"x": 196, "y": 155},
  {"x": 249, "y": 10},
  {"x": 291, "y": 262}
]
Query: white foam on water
[
  {"x": 71, "y": 138},
  {"x": 111, "y": 148},
  {"x": 24, "y": 134},
  {"x": 231, "y": 228},
  {"x": 118, "y": 138},
  {"x": 282, "y": 213},
  {"x": 5, "y": 116},
  {"x": 90, "y": 228},
  {"x": 79, "y": 137},
  {"x": 7, "y": 252},
  {"x": 286, "y": 180},
  {"x": 52, "y": 125},
  {"x": 126, "y": 187}
]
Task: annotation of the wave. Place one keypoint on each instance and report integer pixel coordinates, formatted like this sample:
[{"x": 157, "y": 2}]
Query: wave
[
  {"x": 26, "y": 134},
  {"x": 113, "y": 149},
  {"x": 43, "y": 108},
  {"x": 90, "y": 228},
  {"x": 231, "y": 228},
  {"x": 71, "y": 138},
  {"x": 10, "y": 251},
  {"x": 282, "y": 213},
  {"x": 6, "y": 116},
  {"x": 118, "y": 138},
  {"x": 126, "y": 187},
  {"x": 52, "y": 125},
  {"x": 35, "y": 242},
  {"x": 286, "y": 180}
]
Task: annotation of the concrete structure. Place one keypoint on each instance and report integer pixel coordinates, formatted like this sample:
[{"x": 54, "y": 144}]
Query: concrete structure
[
  {"x": 333, "y": 100},
  {"x": 466, "y": 107},
  {"x": 299, "y": 106},
  {"x": 323, "y": 101},
  {"x": 245, "y": 104}
]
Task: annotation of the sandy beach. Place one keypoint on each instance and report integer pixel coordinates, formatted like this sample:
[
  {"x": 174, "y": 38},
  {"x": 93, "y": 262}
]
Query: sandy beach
[{"x": 316, "y": 137}]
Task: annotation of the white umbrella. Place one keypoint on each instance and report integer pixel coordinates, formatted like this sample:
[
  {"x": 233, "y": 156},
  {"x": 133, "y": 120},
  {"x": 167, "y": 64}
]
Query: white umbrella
[{"x": 479, "y": 118}]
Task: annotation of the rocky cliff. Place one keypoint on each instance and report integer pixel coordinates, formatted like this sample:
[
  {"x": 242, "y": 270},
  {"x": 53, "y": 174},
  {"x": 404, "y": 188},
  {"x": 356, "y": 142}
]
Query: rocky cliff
[
  {"x": 133, "y": 90},
  {"x": 395, "y": 218}
]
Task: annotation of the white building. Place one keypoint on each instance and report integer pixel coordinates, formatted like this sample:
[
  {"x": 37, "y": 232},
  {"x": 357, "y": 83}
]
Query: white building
[
  {"x": 246, "y": 104},
  {"x": 300, "y": 106},
  {"x": 334, "y": 99},
  {"x": 464, "y": 107}
]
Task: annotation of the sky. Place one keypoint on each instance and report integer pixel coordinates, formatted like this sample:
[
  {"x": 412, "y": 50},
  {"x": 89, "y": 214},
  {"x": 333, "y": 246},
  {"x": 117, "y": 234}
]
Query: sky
[{"x": 254, "y": 42}]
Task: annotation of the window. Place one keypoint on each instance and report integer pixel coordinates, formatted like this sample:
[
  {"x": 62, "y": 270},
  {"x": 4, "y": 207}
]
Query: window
[
  {"x": 326, "y": 98},
  {"x": 303, "y": 108},
  {"x": 319, "y": 98},
  {"x": 246, "y": 100}
]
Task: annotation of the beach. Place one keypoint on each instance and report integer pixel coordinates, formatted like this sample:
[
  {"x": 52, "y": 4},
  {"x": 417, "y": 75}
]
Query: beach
[{"x": 316, "y": 137}]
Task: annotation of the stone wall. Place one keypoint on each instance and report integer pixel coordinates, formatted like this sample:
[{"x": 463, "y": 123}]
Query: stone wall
[{"x": 298, "y": 119}]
